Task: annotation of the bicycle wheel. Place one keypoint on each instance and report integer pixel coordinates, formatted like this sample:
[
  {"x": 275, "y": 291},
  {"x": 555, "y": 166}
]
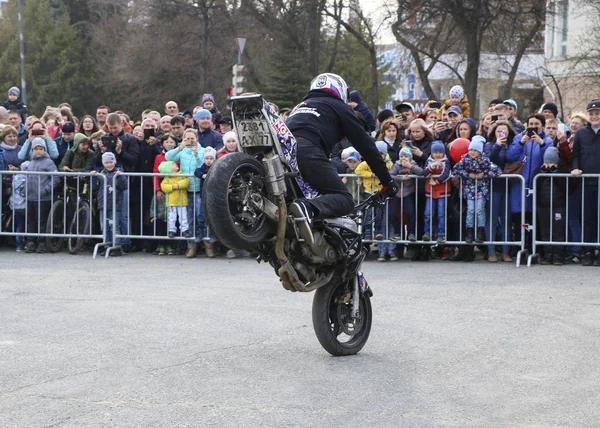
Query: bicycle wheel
[
  {"x": 55, "y": 224},
  {"x": 80, "y": 225}
]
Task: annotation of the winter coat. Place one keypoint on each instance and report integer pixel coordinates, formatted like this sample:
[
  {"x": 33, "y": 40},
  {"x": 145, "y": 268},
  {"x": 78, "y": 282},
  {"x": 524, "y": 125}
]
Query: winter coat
[
  {"x": 437, "y": 187},
  {"x": 454, "y": 133},
  {"x": 11, "y": 156},
  {"x": 157, "y": 161},
  {"x": 210, "y": 138},
  {"x": 188, "y": 162},
  {"x": 63, "y": 147},
  {"x": 26, "y": 152},
  {"x": 464, "y": 106},
  {"x": 517, "y": 126},
  {"x": 76, "y": 160},
  {"x": 393, "y": 149},
  {"x": 425, "y": 146},
  {"x": 175, "y": 197},
  {"x": 398, "y": 171},
  {"x": 535, "y": 157},
  {"x": 39, "y": 187},
  {"x": 370, "y": 184},
  {"x": 497, "y": 154},
  {"x": 130, "y": 152},
  {"x": 586, "y": 153},
  {"x": 17, "y": 198},
  {"x": 336, "y": 155},
  {"x": 112, "y": 181},
  {"x": 17, "y": 105},
  {"x": 472, "y": 188},
  {"x": 363, "y": 109},
  {"x": 553, "y": 191}
]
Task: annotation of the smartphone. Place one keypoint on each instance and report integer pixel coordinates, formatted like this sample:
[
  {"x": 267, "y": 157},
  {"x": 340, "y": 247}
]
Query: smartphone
[
  {"x": 435, "y": 105},
  {"x": 531, "y": 132},
  {"x": 110, "y": 142},
  {"x": 408, "y": 143},
  {"x": 494, "y": 118},
  {"x": 148, "y": 133},
  {"x": 37, "y": 132},
  {"x": 503, "y": 133},
  {"x": 404, "y": 117}
]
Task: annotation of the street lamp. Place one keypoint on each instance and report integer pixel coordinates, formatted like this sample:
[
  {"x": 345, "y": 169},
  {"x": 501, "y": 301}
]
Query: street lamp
[{"x": 22, "y": 48}]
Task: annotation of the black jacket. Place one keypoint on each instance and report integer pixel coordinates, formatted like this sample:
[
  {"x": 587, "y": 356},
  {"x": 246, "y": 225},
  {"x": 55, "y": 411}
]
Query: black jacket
[
  {"x": 324, "y": 119},
  {"x": 586, "y": 152},
  {"x": 130, "y": 152},
  {"x": 17, "y": 105},
  {"x": 336, "y": 155},
  {"x": 554, "y": 190}
]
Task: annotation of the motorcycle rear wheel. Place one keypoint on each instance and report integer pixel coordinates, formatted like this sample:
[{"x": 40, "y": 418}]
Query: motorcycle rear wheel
[
  {"x": 230, "y": 180},
  {"x": 332, "y": 322}
]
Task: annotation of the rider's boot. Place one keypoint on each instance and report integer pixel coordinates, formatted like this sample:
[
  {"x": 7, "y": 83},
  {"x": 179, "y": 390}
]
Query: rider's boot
[
  {"x": 303, "y": 215},
  {"x": 191, "y": 251}
]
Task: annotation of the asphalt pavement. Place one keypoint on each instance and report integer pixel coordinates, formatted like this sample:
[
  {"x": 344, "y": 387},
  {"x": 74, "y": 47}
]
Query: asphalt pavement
[{"x": 147, "y": 341}]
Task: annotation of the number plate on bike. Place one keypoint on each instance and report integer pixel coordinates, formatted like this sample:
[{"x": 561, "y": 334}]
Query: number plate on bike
[{"x": 254, "y": 133}]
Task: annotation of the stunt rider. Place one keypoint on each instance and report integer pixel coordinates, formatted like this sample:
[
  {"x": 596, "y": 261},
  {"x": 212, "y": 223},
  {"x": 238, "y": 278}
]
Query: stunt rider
[{"x": 321, "y": 120}]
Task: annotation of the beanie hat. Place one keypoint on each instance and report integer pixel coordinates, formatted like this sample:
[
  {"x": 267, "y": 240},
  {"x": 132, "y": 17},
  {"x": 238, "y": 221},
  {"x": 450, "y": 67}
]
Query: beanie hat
[
  {"x": 477, "y": 143},
  {"x": 24, "y": 166},
  {"x": 495, "y": 101},
  {"x": 14, "y": 91},
  {"x": 552, "y": 107},
  {"x": 208, "y": 97},
  {"x": 354, "y": 156},
  {"x": 355, "y": 96},
  {"x": 384, "y": 114},
  {"x": 457, "y": 91},
  {"x": 382, "y": 147},
  {"x": 38, "y": 142},
  {"x": 165, "y": 167},
  {"x": 551, "y": 155},
  {"x": 210, "y": 152},
  {"x": 438, "y": 147},
  {"x": 201, "y": 114},
  {"x": 228, "y": 136},
  {"x": 405, "y": 151},
  {"x": 346, "y": 152},
  {"x": 512, "y": 103},
  {"x": 68, "y": 127},
  {"x": 109, "y": 157}
]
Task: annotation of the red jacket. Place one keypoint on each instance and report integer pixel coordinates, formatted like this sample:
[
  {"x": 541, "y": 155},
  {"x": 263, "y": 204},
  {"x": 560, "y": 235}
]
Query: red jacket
[
  {"x": 438, "y": 187},
  {"x": 157, "y": 161}
]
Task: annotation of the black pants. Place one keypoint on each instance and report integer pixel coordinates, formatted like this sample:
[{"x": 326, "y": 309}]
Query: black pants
[
  {"x": 335, "y": 200},
  {"x": 37, "y": 215},
  {"x": 556, "y": 218}
]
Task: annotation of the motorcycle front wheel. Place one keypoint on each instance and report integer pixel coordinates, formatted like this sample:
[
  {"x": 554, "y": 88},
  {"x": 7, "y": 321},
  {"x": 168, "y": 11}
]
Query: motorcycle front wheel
[
  {"x": 232, "y": 196},
  {"x": 338, "y": 333}
]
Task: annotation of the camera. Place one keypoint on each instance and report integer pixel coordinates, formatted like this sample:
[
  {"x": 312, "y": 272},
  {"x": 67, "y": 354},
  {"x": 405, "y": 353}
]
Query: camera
[
  {"x": 435, "y": 105},
  {"x": 404, "y": 117},
  {"x": 37, "y": 132},
  {"x": 531, "y": 132},
  {"x": 148, "y": 132},
  {"x": 110, "y": 142}
]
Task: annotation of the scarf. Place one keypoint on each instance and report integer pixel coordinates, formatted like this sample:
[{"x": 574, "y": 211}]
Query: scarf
[{"x": 7, "y": 147}]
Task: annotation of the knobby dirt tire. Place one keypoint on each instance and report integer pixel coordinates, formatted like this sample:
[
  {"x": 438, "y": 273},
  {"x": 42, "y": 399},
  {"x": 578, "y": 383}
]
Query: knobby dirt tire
[
  {"x": 217, "y": 207},
  {"x": 324, "y": 308}
]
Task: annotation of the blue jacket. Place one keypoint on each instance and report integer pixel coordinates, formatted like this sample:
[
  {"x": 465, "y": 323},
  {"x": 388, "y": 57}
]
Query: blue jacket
[
  {"x": 472, "y": 188},
  {"x": 12, "y": 157},
  {"x": 112, "y": 181},
  {"x": 210, "y": 138},
  {"x": 363, "y": 109},
  {"x": 535, "y": 158},
  {"x": 62, "y": 147},
  {"x": 189, "y": 162},
  {"x": 497, "y": 154},
  {"x": 26, "y": 152}
]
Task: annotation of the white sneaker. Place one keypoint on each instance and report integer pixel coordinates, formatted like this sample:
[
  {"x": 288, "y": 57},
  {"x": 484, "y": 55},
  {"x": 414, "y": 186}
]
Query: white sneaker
[
  {"x": 231, "y": 254},
  {"x": 303, "y": 221}
]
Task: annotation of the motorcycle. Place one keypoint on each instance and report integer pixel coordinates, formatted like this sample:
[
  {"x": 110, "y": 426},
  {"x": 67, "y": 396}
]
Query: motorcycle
[{"x": 246, "y": 197}]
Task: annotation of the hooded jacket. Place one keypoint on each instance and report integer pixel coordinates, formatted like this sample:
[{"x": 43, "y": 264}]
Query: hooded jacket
[
  {"x": 472, "y": 188},
  {"x": 77, "y": 161},
  {"x": 174, "y": 197},
  {"x": 17, "y": 105},
  {"x": 398, "y": 171},
  {"x": 39, "y": 187},
  {"x": 210, "y": 138},
  {"x": 26, "y": 152},
  {"x": 363, "y": 109},
  {"x": 188, "y": 162},
  {"x": 464, "y": 106}
]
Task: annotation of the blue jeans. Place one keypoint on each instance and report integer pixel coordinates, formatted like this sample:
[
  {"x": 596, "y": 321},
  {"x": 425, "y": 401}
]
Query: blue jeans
[
  {"x": 476, "y": 208},
  {"x": 369, "y": 224},
  {"x": 196, "y": 216},
  {"x": 433, "y": 207},
  {"x": 19, "y": 217},
  {"x": 498, "y": 212},
  {"x": 108, "y": 222},
  {"x": 124, "y": 225}
]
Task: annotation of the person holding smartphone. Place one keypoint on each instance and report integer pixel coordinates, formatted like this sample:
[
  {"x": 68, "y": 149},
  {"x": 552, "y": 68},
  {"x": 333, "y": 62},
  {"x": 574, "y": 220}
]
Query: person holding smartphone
[{"x": 38, "y": 129}]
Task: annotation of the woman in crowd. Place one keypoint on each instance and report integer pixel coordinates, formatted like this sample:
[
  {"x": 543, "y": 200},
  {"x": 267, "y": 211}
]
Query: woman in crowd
[{"x": 88, "y": 126}]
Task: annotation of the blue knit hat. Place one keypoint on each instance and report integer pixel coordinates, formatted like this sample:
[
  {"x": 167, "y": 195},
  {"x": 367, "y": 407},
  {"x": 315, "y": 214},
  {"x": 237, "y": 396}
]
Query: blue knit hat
[
  {"x": 405, "y": 151},
  {"x": 437, "y": 147},
  {"x": 14, "y": 91},
  {"x": 201, "y": 114},
  {"x": 382, "y": 147},
  {"x": 477, "y": 143}
]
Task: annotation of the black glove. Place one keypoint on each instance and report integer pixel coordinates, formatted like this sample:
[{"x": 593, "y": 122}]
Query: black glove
[{"x": 389, "y": 190}]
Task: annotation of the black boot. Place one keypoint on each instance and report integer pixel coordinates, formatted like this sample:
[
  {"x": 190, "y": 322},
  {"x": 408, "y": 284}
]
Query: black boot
[
  {"x": 469, "y": 254},
  {"x": 480, "y": 235},
  {"x": 469, "y": 238}
]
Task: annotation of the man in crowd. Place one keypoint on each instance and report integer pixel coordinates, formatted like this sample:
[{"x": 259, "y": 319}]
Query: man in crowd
[
  {"x": 15, "y": 120},
  {"x": 513, "y": 109},
  {"x": 171, "y": 108},
  {"x": 177, "y": 128},
  {"x": 101, "y": 114},
  {"x": 206, "y": 135}
]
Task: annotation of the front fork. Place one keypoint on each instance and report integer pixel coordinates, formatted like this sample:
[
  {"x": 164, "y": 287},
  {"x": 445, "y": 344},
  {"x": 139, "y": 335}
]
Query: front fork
[{"x": 360, "y": 287}]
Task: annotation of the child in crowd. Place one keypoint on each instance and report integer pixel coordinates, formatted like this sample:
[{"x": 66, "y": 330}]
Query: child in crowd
[
  {"x": 457, "y": 98},
  {"x": 39, "y": 194},
  {"x": 403, "y": 204},
  {"x": 230, "y": 144},
  {"x": 15, "y": 103},
  {"x": 115, "y": 182},
  {"x": 158, "y": 209},
  {"x": 210, "y": 154},
  {"x": 18, "y": 203},
  {"x": 80, "y": 158},
  {"x": 551, "y": 203},
  {"x": 352, "y": 160},
  {"x": 475, "y": 168},
  {"x": 437, "y": 189},
  {"x": 175, "y": 190}
]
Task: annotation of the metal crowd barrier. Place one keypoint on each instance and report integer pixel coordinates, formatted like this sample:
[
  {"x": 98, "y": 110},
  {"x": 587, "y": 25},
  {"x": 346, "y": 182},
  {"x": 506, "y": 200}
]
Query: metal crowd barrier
[
  {"x": 419, "y": 197},
  {"x": 564, "y": 218},
  {"x": 150, "y": 230},
  {"x": 57, "y": 215}
]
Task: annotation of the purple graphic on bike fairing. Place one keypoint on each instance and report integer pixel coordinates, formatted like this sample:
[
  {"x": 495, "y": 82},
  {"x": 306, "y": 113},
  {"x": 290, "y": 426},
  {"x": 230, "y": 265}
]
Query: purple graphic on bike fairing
[{"x": 289, "y": 147}]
